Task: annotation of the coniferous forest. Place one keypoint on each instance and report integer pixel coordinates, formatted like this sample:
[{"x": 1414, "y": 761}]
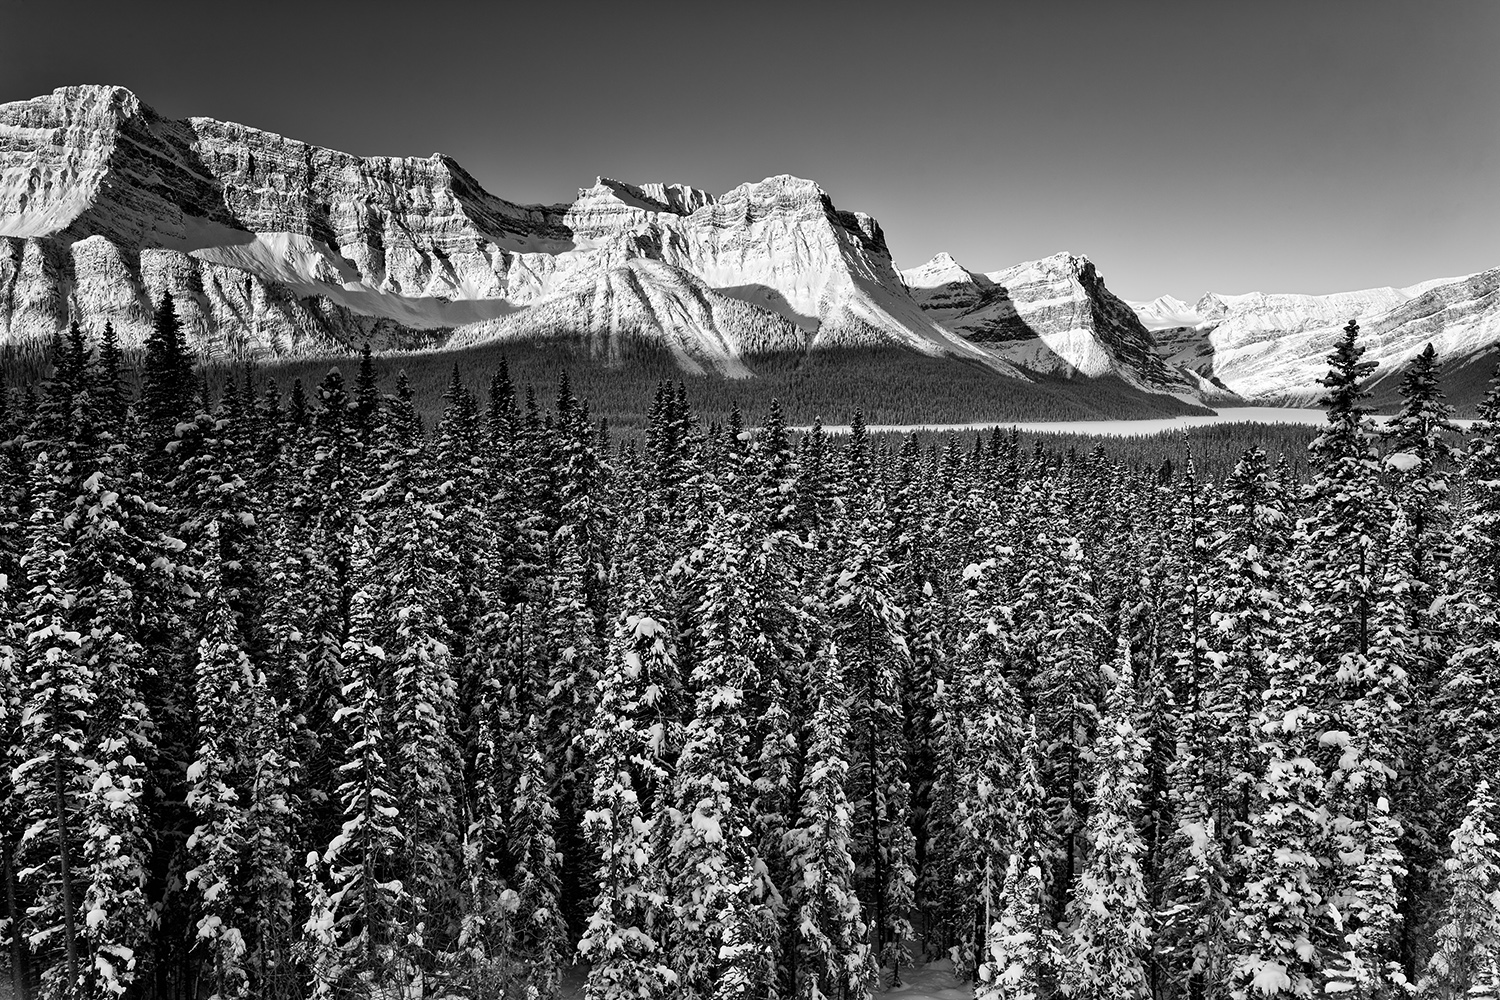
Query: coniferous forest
[{"x": 303, "y": 699}]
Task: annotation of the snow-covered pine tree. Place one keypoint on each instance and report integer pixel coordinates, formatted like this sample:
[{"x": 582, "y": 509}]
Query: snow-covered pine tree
[
  {"x": 367, "y": 899},
  {"x": 1023, "y": 950},
  {"x": 1422, "y": 431},
  {"x": 621, "y": 941},
  {"x": 1478, "y": 557},
  {"x": 49, "y": 768},
  {"x": 981, "y": 767},
  {"x": 913, "y": 515},
  {"x": 710, "y": 849},
  {"x": 221, "y": 682},
  {"x": 1465, "y": 963},
  {"x": 364, "y": 411},
  {"x": 831, "y": 953},
  {"x": 1059, "y": 649},
  {"x": 1014, "y": 953},
  {"x": 1342, "y": 529},
  {"x": 1249, "y": 604},
  {"x": 1110, "y": 914},
  {"x": 166, "y": 373},
  {"x": 310, "y": 575},
  {"x": 108, "y": 390},
  {"x": 1466, "y": 701},
  {"x": 539, "y": 938},
  {"x": 408, "y": 581},
  {"x": 13, "y": 501},
  {"x": 466, "y": 537},
  {"x": 867, "y": 629},
  {"x": 1421, "y": 438},
  {"x": 272, "y": 825},
  {"x": 118, "y": 554},
  {"x": 1229, "y": 619},
  {"x": 1364, "y": 740},
  {"x": 48, "y": 762},
  {"x": 1280, "y": 946}
]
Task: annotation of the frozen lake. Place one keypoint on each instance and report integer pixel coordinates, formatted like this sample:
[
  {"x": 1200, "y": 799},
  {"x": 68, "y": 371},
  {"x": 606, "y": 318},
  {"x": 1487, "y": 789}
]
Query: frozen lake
[{"x": 1117, "y": 428}]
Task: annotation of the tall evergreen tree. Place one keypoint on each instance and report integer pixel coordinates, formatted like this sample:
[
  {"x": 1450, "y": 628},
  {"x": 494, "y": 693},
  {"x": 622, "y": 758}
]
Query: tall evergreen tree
[
  {"x": 1111, "y": 925},
  {"x": 1466, "y": 959}
]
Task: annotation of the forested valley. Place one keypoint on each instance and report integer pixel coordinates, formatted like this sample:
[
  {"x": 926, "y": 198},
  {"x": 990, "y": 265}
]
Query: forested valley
[{"x": 303, "y": 699}]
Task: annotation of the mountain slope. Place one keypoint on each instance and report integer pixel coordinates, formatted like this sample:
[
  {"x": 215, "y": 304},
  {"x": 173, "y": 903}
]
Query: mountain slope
[{"x": 650, "y": 301}]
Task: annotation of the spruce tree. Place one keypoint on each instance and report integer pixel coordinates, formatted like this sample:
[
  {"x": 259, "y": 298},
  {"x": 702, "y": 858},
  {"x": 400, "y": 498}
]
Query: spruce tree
[
  {"x": 867, "y": 629},
  {"x": 217, "y": 788},
  {"x": 1343, "y": 526},
  {"x": 1466, "y": 958},
  {"x": 166, "y": 370},
  {"x": 1111, "y": 929},
  {"x": 622, "y": 941},
  {"x": 716, "y": 864},
  {"x": 831, "y": 955}
]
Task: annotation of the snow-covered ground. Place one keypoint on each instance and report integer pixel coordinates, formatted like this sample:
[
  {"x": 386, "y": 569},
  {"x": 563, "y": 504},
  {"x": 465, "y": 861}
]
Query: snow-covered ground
[
  {"x": 931, "y": 982},
  {"x": 934, "y": 981}
]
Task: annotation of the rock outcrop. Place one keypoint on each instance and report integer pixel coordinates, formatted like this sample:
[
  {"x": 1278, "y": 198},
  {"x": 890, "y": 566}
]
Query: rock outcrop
[{"x": 288, "y": 247}]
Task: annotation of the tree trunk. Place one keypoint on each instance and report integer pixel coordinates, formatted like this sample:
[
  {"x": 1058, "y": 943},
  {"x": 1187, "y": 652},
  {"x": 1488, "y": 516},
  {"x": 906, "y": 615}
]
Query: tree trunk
[
  {"x": 64, "y": 857},
  {"x": 18, "y": 965}
]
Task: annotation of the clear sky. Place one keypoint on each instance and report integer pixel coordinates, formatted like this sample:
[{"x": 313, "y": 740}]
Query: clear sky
[{"x": 1184, "y": 145}]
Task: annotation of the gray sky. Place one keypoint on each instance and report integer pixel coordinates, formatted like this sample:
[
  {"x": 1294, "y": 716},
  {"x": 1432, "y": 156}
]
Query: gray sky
[{"x": 1315, "y": 145}]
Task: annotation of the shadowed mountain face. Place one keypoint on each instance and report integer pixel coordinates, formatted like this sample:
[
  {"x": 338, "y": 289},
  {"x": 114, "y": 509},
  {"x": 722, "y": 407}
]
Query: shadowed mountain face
[
  {"x": 1053, "y": 316},
  {"x": 273, "y": 247}
]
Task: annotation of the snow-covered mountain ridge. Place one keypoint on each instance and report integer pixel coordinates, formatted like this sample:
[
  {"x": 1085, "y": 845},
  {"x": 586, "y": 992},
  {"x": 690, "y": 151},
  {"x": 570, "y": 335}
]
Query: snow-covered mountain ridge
[
  {"x": 274, "y": 246},
  {"x": 1275, "y": 346}
]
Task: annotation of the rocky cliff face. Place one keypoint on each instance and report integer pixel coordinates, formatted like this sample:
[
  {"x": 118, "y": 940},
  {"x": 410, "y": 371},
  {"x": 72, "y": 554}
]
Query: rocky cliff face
[
  {"x": 274, "y": 246},
  {"x": 279, "y": 246}
]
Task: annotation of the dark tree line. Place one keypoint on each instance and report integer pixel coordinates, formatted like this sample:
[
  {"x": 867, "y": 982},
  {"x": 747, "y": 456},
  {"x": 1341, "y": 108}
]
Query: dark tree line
[{"x": 301, "y": 699}]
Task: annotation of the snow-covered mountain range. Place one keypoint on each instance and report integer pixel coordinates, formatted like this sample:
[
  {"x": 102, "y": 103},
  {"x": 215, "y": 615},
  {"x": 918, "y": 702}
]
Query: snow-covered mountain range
[
  {"x": 1275, "y": 346},
  {"x": 274, "y": 247}
]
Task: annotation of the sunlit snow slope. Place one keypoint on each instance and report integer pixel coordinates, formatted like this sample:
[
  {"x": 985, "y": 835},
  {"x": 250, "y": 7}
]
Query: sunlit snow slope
[{"x": 1275, "y": 346}]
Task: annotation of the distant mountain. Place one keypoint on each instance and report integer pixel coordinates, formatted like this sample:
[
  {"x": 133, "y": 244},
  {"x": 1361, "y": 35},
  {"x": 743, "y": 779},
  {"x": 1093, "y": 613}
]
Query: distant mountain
[
  {"x": 1165, "y": 313},
  {"x": 1274, "y": 347}
]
